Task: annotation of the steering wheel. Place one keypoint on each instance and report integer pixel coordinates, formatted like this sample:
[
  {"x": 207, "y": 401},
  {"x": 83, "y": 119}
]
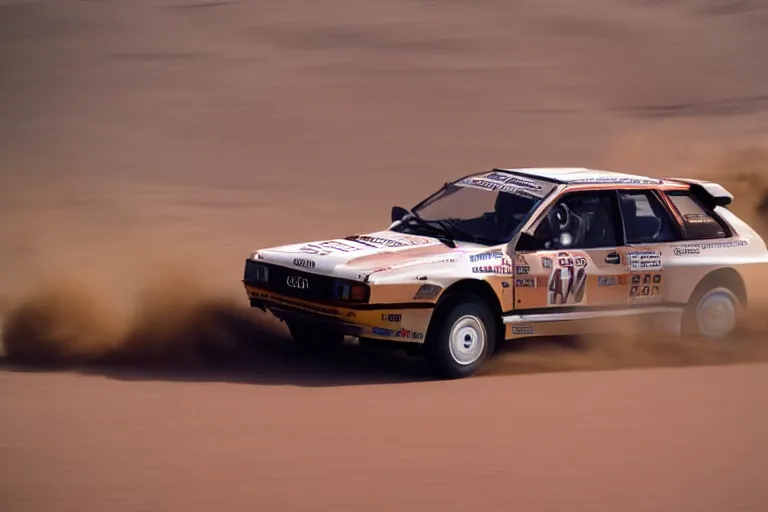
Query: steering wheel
[{"x": 561, "y": 218}]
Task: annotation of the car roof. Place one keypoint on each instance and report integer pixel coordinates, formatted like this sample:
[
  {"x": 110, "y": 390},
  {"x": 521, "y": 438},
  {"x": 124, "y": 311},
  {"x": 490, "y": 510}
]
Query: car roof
[{"x": 585, "y": 176}]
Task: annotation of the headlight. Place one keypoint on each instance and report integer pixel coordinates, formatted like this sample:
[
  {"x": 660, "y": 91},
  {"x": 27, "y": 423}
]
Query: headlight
[{"x": 256, "y": 272}]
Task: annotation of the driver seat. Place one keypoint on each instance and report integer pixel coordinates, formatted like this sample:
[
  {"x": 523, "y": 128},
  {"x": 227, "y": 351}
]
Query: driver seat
[{"x": 509, "y": 210}]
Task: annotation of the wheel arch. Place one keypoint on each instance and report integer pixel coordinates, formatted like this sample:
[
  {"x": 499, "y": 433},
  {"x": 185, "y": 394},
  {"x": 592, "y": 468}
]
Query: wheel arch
[
  {"x": 478, "y": 288},
  {"x": 725, "y": 276}
]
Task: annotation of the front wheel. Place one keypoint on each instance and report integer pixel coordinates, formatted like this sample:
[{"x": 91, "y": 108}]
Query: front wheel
[{"x": 463, "y": 337}]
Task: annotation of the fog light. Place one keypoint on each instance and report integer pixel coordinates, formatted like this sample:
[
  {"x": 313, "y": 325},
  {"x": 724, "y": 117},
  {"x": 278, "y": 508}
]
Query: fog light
[
  {"x": 349, "y": 291},
  {"x": 357, "y": 292}
]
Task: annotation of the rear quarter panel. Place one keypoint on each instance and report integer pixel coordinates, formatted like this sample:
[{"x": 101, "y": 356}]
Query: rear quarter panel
[{"x": 687, "y": 263}]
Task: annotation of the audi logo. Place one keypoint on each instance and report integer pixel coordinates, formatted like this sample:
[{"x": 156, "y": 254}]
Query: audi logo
[{"x": 301, "y": 283}]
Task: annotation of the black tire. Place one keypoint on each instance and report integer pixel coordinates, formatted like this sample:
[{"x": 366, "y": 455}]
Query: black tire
[
  {"x": 314, "y": 337},
  {"x": 461, "y": 337}
]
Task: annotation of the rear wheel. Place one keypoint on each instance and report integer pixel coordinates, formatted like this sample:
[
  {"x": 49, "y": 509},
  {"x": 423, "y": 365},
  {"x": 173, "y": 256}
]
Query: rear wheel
[
  {"x": 462, "y": 337},
  {"x": 712, "y": 313},
  {"x": 314, "y": 336}
]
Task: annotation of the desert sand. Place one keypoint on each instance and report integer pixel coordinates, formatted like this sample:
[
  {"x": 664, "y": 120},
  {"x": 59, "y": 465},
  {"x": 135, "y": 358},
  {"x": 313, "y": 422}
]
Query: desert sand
[{"x": 147, "y": 146}]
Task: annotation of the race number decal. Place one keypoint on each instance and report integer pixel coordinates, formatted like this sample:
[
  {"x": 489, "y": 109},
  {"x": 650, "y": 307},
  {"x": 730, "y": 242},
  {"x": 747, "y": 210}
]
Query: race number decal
[{"x": 568, "y": 279}]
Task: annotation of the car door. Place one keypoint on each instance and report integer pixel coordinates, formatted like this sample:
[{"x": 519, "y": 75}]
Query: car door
[
  {"x": 574, "y": 259},
  {"x": 649, "y": 229}
]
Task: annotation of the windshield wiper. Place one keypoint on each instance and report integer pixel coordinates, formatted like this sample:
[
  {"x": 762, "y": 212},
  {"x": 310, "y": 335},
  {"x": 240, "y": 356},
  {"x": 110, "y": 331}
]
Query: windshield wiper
[
  {"x": 432, "y": 228},
  {"x": 449, "y": 225}
]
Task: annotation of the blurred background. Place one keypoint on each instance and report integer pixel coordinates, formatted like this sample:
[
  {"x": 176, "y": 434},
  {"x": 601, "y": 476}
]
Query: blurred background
[{"x": 142, "y": 134}]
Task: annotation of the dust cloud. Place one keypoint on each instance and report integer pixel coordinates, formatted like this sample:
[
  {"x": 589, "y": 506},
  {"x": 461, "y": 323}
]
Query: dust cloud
[{"x": 67, "y": 324}]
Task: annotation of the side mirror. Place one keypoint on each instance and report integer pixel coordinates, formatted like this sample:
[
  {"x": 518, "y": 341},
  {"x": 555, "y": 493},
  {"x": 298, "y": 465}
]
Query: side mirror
[
  {"x": 526, "y": 243},
  {"x": 398, "y": 212}
]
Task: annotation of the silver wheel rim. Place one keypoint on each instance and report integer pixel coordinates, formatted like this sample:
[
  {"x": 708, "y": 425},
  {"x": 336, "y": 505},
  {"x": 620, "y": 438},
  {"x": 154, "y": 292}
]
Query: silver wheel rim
[
  {"x": 716, "y": 313},
  {"x": 467, "y": 340}
]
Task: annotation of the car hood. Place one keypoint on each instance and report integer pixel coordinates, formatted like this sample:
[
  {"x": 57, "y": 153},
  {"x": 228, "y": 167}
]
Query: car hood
[{"x": 358, "y": 256}]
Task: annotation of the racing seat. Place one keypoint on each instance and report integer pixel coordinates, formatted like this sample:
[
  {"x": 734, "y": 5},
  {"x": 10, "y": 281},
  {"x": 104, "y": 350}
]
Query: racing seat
[
  {"x": 643, "y": 228},
  {"x": 600, "y": 232},
  {"x": 508, "y": 211}
]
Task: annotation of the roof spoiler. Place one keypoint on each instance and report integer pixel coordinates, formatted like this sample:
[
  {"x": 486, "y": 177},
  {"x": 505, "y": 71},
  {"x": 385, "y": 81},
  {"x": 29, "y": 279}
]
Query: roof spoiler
[{"x": 710, "y": 193}]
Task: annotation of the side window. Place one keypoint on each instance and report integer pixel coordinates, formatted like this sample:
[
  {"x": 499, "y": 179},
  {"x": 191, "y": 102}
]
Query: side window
[
  {"x": 699, "y": 223},
  {"x": 580, "y": 220},
  {"x": 645, "y": 219}
]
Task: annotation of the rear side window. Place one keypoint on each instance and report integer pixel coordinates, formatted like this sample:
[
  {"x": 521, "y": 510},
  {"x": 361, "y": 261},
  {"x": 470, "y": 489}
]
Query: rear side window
[
  {"x": 699, "y": 222},
  {"x": 646, "y": 221}
]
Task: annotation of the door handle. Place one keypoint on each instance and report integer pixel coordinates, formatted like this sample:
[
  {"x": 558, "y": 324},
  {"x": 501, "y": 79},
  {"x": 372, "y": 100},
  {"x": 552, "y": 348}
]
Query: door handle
[{"x": 613, "y": 258}]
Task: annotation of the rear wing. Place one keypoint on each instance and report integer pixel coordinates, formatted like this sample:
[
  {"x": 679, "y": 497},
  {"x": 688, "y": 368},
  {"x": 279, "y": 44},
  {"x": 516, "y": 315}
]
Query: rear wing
[{"x": 710, "y": 193}]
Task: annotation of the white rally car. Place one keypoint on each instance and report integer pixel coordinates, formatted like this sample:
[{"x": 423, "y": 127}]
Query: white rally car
[{"x": 513, "y": 253}]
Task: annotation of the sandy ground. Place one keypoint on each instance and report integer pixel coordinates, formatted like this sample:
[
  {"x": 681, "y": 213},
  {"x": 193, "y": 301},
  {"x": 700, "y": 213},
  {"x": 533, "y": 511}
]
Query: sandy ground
[{"x": 146, "y": 146}]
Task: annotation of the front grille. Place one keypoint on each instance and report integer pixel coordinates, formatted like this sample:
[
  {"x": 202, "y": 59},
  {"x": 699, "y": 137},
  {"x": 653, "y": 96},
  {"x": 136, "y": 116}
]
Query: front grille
[{"x": 306, "y": 286}]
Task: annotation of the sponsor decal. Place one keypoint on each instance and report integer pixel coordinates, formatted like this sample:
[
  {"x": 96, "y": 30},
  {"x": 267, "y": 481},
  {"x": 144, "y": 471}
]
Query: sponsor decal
[
  {"x": 522, "y": 329},
  {"x": 503, "y": 268},
  {"x": 338, "y": 246},
  {"x": 520, "y": 260},
  {"x": 522, "y": 270},
  {"x": 694, "y": 249},
  {"x": 497, "y": 176},
  {"x": 392, "y": 317},
  {"x": 389, "y": 242},
  {"x": 486, "y": 256},
  {"x": 356, "y": 239},
  {"x": 644, "y": 260},
  {"x": 300, "y": 283},
  {"x": 565, "y": 259},
  {"x": 546, "y": 262},
  {"x": 301, "y": 262},
  {"x": 313, "y": 249},
  {"x": 510, "y": 179},
  {"x": 568, "y": 280},
  {"x": 377, "y": 241},
  {"x": 606, "y": 281},
  {"x": 505, "y": 284},
  {"x": 525, "y": 283},
  {"x": 504, "y": 183},
  {"x": 686, "y": 250},
  {"x": 299, "y": 304},
  {"x": 618, "y": 180},
  {"x": 427, "y": 291},
  {"x": 415, "y": 240},
  {"x": 645, "y": 288},
  {"x": 480, "y": 183},
  {"x": 401, "y": 333},
  {"x": 414, "y": 263}
]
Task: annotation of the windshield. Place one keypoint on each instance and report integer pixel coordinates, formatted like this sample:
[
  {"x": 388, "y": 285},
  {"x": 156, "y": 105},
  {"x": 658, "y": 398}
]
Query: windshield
[{"x": 486, "y": 209}]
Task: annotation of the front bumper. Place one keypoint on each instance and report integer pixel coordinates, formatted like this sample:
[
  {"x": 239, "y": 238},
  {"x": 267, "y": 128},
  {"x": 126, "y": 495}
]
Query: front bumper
[{"x": 392, "y": 322}]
